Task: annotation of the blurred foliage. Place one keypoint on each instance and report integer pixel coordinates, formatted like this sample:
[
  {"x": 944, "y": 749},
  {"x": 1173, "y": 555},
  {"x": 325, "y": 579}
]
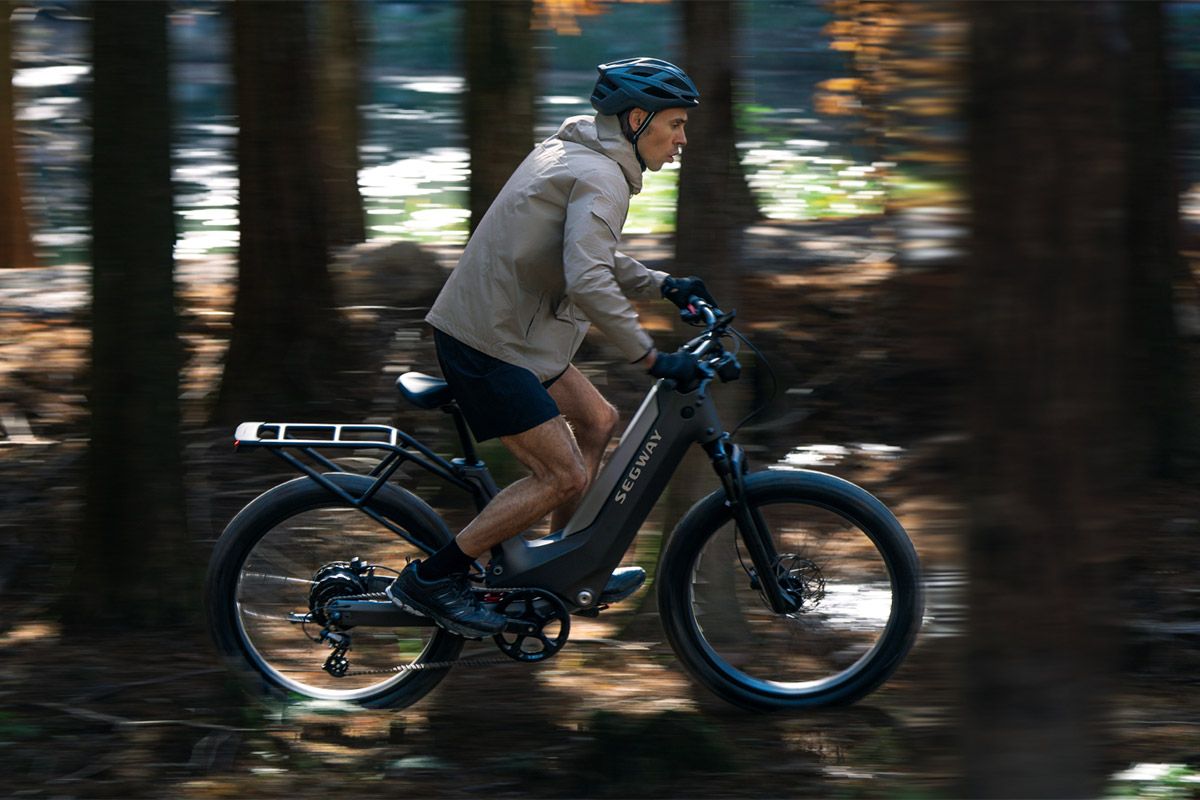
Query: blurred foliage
[
  {"x": 562, "y": 16},
  {"x": 906, "y": 65},
  {"x": 1160, "y": 781}
]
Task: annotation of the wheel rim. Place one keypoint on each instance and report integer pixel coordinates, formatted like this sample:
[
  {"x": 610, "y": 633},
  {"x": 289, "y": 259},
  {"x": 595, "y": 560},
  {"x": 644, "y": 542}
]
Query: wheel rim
[
  {"x": 847, "y": 603},
  {"x": 274, "y": 581}
]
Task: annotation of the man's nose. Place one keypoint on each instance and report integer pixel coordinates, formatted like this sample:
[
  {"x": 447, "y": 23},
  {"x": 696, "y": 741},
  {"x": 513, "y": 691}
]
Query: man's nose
[{"x": 681, "y": 139}]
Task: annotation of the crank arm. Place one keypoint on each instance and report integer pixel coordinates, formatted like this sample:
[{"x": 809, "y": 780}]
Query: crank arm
[{"x": 520, "y": 626}]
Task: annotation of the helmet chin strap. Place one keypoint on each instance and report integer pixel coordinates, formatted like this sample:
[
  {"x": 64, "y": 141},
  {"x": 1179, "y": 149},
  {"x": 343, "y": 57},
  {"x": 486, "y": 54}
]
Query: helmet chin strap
[{"x": 638, "y": 134}]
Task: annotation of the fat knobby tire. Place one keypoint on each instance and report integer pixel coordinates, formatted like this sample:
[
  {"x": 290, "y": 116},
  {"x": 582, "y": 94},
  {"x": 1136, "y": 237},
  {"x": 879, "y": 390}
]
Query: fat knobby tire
[{"x": 800, "y": 487}]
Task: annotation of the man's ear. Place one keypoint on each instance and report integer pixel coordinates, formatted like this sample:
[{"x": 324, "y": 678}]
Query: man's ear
[{"x": 636, "y": 117}]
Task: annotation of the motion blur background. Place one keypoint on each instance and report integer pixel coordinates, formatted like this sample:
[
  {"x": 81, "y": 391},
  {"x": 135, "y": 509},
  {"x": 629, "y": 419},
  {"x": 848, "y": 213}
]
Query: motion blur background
[{"x": 965, "y": 236}]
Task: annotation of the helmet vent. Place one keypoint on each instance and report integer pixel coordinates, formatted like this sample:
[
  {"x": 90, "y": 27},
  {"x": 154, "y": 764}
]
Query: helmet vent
[{"x": 648, "y": 83}]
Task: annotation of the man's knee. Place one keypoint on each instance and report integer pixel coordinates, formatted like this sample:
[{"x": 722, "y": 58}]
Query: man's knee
[
  {"x": 601, "y": 423},
  {"x": 552, "y": 455},
  {"x": 609, "y": 420},
  {"x": 569, "y": 481}
]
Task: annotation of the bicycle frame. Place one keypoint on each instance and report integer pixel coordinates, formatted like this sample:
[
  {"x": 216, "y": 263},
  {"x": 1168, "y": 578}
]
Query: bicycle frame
[{"x": 576, "y": 562}]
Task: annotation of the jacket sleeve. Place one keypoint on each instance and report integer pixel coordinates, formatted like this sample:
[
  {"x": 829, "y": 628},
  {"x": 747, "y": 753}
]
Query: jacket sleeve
[
  {"x": 590, "y": 234},
  {"x": 636, "y": 279}
]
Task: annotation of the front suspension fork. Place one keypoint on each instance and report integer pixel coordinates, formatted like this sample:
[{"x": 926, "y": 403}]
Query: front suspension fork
[{"x": 729, "y": 462}]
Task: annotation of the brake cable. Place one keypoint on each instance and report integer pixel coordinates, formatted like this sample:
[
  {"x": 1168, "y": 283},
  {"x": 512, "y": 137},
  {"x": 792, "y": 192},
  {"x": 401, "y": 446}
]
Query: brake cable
[
  {"x": 770, "y": 371},
  {"x": 695, "y": 301}
]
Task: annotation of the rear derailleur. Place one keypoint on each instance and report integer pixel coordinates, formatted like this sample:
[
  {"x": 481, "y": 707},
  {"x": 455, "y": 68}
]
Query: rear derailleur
[{"x": 337, "y": 664}]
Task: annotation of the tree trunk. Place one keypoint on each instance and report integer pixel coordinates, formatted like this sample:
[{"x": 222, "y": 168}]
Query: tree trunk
[
  {"x": 338, "y": 96},
  {"x": 1049, "y": 180},
  {"x": 715, "y": 203},
  {"x": 714, "y": 200},
  {"x": 499, "y": 96},
  {"x": 16, "y": 246},
  {"x": 135, "y": 565},
  {"x": 1156, "y": 382},
  {"x": 285, "y": 321}
]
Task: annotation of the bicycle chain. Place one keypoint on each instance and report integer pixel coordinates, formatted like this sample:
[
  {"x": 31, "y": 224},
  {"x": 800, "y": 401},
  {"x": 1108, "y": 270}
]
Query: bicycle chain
[{"x": 479, "y": 661}]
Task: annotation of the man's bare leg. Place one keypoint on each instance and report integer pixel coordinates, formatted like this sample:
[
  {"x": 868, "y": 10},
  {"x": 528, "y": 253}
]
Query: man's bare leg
[
  {"x": 559, "y": 474},
  {"x": 593, "y": 420}
]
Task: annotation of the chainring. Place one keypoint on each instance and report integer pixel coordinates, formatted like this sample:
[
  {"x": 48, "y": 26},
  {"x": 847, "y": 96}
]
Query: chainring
[{"x": 543, "y": 610}]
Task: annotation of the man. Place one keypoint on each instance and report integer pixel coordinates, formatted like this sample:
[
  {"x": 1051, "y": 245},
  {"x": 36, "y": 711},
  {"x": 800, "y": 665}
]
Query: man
[{"x": 541, "y": 265}]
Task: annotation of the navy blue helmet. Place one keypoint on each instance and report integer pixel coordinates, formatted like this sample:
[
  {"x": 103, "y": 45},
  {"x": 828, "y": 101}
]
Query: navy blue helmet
[{"x": 649, "y": 83}]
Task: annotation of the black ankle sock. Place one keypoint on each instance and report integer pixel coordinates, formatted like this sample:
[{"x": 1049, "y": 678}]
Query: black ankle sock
[{"x": 448, "y": 560}]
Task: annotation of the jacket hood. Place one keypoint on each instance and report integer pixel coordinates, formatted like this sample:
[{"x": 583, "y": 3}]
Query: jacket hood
[{"x": 602, "y": 133}]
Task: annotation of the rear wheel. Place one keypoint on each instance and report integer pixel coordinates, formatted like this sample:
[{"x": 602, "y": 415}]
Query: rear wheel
[
  {"x": 286, "y": 554},
  {"x": 843, "y": 559}
]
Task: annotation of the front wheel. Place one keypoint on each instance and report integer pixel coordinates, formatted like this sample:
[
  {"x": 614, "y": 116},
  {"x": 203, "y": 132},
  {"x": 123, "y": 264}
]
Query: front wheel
[{"x": 842, "y": 558}]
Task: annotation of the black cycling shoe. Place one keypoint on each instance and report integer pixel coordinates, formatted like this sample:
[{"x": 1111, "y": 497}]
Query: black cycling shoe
[
  {"x": 624, "y": 582},
  {"x": 448, "y": 601}
]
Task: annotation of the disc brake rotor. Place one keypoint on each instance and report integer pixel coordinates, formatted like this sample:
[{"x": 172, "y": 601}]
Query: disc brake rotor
[{"x": 802, "y": 579}]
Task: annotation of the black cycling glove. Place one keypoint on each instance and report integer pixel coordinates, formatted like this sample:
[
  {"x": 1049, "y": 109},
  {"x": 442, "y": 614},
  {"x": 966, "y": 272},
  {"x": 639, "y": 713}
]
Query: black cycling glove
[
  {"x": 678, "y": 290},
  {"x": 679, "y": 367}
]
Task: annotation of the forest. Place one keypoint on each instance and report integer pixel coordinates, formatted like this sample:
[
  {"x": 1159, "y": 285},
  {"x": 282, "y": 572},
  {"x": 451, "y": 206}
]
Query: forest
[{"x": 963, "y": 238}]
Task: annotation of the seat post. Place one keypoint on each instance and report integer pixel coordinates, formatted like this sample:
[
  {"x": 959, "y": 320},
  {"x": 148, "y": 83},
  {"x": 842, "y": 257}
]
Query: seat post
[{"x": 464, "y": 436}]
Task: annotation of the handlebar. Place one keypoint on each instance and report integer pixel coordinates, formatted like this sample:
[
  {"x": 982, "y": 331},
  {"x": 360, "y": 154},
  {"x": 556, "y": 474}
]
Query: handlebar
[
  {"x": 715, "y": 322},
  {"x": 713, "y": 360},
  {"x": 706, "y": 311}
]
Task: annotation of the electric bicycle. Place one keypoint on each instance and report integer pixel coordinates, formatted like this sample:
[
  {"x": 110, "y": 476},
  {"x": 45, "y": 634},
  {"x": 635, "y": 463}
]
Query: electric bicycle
[{"x": 782, "y": 589}]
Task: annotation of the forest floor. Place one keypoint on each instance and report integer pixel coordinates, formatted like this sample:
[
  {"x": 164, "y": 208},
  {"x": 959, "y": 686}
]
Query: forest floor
[{"x": 155, "y": 714}]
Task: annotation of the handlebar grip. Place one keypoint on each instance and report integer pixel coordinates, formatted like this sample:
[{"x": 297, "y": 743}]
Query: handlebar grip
[{"x": 699, "y": 307}]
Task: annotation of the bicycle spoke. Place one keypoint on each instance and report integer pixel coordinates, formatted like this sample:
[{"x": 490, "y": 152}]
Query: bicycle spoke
[
  {"x": 277, "y": 579},
  {"x": 829, "y": 634}
]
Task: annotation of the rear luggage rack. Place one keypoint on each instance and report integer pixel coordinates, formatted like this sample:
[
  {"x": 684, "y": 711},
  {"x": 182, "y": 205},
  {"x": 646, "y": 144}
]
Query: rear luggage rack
[
  {"x": 284, "y": 438},
  {"x": 275, "y": 434}
]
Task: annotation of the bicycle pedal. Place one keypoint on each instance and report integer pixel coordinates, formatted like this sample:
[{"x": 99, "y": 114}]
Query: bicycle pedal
[{"x": 592, "y": 612}]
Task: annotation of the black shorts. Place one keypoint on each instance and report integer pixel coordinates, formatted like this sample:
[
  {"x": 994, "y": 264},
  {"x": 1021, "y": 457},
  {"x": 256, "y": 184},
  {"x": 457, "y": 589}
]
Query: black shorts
[{"x": 497, "y": 398}]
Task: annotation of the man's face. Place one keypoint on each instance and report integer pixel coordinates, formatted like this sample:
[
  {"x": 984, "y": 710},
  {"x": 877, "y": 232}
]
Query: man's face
[{"x": 662, "y": 141}]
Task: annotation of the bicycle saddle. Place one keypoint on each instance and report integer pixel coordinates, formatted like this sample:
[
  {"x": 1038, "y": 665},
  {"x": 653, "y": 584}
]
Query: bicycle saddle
[{"x": 424, "y": 391}]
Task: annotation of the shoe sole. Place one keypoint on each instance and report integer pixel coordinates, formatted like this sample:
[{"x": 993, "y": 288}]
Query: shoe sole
[{"x": 405, "y": 602}]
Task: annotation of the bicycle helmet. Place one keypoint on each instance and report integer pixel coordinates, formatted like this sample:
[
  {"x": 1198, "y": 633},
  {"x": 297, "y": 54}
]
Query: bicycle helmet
[{"x": 648, "y": 83}]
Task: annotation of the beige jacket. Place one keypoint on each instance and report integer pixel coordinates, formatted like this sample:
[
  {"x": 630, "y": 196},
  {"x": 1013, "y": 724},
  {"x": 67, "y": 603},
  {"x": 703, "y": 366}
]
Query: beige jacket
[{"x": 543, "y": 261}]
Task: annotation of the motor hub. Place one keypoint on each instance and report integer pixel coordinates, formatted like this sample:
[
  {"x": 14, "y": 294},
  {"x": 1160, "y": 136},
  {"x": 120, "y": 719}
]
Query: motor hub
[{"x": 334, "y": 580}]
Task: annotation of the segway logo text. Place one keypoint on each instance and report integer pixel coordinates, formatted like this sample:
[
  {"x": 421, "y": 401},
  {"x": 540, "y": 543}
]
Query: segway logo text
[{"x": 635, "y": 471}]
